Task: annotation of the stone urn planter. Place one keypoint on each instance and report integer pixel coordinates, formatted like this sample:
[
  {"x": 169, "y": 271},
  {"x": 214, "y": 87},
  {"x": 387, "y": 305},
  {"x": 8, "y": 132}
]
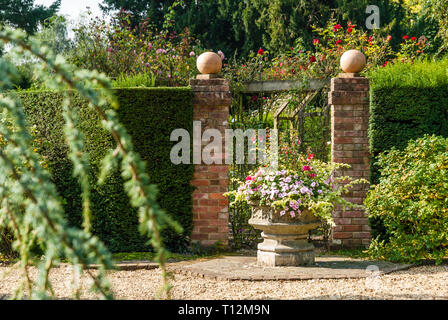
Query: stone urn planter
[{"x": 285, "y": 238}]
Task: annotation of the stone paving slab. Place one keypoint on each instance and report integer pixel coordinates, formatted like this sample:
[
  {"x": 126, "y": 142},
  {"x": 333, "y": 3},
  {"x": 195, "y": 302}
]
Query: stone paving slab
[
  {"x": 132, "y": 265},
  {"x": 246, "y": 268}
]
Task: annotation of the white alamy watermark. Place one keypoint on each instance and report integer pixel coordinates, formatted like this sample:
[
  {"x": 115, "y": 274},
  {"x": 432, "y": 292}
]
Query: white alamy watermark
[
  {"x": 373, "y": 280},
  {"x": 373, "y": 21},
  {"x": 208, "y": 146}
]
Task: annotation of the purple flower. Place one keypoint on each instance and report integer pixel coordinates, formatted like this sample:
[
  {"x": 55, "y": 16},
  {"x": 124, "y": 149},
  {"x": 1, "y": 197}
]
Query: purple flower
[
  {"x": 110, "y": 49},
  {"x": 304, "y": 190}
]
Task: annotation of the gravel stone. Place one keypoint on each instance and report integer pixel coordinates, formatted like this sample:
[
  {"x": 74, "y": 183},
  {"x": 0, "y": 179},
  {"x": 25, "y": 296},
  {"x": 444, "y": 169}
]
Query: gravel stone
[{"x": 423, "y": 282}]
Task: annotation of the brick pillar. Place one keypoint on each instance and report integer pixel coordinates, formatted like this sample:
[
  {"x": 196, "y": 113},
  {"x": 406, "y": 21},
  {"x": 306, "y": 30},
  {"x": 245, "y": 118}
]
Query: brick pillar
[
  {"x": 211, "y": 102},
  {"x": 349, "y": 100}
]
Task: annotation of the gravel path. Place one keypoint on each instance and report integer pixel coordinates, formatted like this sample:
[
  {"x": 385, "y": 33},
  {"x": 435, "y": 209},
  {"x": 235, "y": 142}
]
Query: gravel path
[{"x": 424, "y": 282}]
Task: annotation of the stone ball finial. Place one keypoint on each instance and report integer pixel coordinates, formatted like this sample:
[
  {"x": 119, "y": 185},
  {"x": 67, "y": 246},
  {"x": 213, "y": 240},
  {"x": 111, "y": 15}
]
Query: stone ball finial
[
  {"x": 353, "y": 61},
  {"x": 209, "y": 63}
]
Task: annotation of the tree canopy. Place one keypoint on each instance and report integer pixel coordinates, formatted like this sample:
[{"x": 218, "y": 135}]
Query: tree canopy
[
  {"x": 25, "y": 14},
  {"x": 236, "y": 26}
]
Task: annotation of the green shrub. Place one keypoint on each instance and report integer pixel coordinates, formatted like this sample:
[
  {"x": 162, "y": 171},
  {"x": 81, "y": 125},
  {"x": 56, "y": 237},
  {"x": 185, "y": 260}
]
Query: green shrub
[
  {"x": 145, "y": 79},
  {"x": 407, "y": 101},
  {"x": 411, "y": 199},
  {"x": 149, "y": 115}
]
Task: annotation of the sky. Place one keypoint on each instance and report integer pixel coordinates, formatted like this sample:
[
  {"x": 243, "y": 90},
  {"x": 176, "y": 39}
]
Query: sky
[{"x": 73, "y": 8}]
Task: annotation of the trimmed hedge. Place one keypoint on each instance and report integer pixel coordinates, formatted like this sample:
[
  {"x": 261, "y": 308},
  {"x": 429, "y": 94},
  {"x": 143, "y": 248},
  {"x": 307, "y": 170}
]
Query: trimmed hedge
[
  {"x": 407, "y": 101},
  {"x": 149, "y": 115}
]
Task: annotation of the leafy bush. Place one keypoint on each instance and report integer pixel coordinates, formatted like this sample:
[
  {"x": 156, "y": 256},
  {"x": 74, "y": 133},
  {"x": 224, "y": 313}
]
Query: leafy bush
[
  {"x": 144, "y": 79},
  {"x": 406, "y": 101},
  {"x": 412, "y": 201},
  {"x": 149, "y": 115},
  {"x": 117, "y": 48}
]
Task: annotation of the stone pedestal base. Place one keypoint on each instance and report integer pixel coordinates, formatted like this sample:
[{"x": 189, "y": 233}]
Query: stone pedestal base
[{"x": 285, "y": 250}]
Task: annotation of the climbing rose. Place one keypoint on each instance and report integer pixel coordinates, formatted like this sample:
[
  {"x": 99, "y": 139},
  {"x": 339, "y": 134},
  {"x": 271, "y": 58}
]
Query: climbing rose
[{"x": 260, "y": 51}]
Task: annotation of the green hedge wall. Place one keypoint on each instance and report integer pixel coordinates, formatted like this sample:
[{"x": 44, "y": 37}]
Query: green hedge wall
[
  {"x": 407, "y": 101},
  {"x": 149, "y": 115}
]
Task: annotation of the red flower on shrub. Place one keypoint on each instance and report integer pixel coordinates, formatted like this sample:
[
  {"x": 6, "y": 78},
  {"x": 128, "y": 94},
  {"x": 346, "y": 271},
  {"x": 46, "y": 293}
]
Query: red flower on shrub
[
  {"x": 385, "y": 63},
  {"x": 405, "y": 37},
  {"x": 414, "y": 38},
  {"x": 389, "y": 38},
  {"x": 338, "y": 42},
  {"x": 260, "y": 51},
  {"x": 315, "y": 41},
  {"x": 313, "y": 59},
  {"x": 337, "y": 27},
  {"x": 349, "y": 30},
  {"x": 305, "y": 168}
]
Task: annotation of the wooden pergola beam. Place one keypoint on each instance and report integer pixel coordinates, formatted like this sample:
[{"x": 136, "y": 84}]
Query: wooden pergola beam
[{"x": 268, "y": 86}]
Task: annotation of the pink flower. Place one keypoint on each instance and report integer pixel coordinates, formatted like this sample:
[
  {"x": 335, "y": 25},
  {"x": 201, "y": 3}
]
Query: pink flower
[
  {"x": 192, "y": 54},
  {"x": 389, "y": 38},
  {"x": 312, "y": 175},
  {"x": 149, "y": 46},
  {"x": 337, "y": 27},
  {"x": 306, "y": 168},
  {"x": 249, "y": 178},
  {"x": 109, "y": 50},
  {"x": 221, "y": 54}
]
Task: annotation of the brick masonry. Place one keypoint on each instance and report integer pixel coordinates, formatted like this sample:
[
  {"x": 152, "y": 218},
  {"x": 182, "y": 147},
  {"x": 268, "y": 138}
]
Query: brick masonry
[
  {"x": 349, "y": 100},
  {"x": 211, "y": 102}
]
